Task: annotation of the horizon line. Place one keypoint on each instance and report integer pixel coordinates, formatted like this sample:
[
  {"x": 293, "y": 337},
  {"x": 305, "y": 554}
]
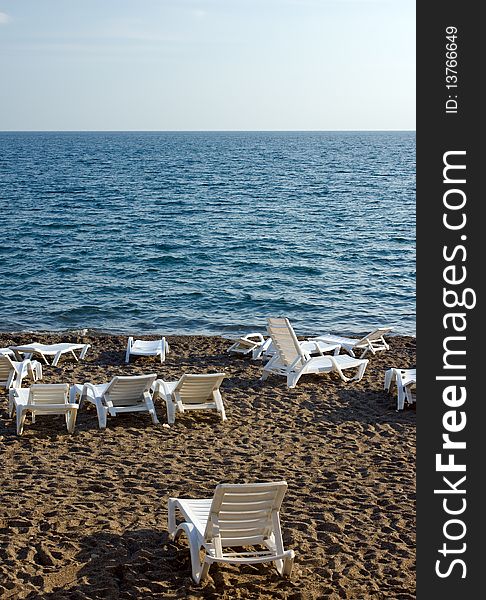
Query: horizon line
[{"x": 197, "y": 130}]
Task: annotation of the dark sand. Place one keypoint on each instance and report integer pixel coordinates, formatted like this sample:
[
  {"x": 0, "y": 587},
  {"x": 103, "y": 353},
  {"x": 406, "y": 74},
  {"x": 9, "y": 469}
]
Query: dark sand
[{"x": 84, "y": 516}]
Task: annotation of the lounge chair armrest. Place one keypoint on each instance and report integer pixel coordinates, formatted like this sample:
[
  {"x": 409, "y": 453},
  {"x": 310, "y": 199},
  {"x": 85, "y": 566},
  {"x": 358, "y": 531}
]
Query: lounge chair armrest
[
  {"x": 317, "y": 347},
  {"x": 299, "y": 359},
  {"x": 259, "y": 336},
  {"x": 88, "y": 390},
  {"x": 159, "y": 386}
]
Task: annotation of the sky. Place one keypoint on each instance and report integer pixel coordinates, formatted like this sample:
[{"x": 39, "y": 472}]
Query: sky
[{"x": 207, "y": 65}]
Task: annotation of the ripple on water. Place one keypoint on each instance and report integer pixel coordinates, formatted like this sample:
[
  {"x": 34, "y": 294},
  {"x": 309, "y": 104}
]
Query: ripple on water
[{"x": 208, "y": 232}]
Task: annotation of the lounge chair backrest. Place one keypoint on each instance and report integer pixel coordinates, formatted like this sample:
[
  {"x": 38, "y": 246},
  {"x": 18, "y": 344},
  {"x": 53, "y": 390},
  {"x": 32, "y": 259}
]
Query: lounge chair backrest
[
  {"x": 148, "y": 345},
  {"x": 6, "y": 367},
  {"x": 244, "y": 514},
  {"x": 125, "y": 391},
  {"x": 197, "y": 389},
  {"x": 49, "y": 393},
  {"x": 377, "y": 334},
  {"x": 285, "y": 341}
]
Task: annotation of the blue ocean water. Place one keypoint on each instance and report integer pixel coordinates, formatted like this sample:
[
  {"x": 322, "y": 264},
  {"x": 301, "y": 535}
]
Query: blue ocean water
[{"x": 196, "y": 232}]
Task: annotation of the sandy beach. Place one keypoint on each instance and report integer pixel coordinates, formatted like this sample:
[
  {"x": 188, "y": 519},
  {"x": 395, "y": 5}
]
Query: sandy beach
[{"x": 85, "y": 515}]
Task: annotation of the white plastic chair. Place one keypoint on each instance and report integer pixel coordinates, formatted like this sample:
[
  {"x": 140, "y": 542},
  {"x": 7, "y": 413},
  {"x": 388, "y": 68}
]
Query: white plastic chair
[
  {"x": 237, "y": 515},
  {"x": 405, "y": 381},
  {"x": 246, "y": 344},
  {"x": 12, "y": 372},
  {"x": 55, "y": 350},
  {"x": 192, "y": 392},
  {"x": 147, "y": 348},
  {"x": 372, "y": 342},
  {"x": 292, "y": 361},
  {"x": 42, "y": 399},
  {"x": 121, "y": 395}
]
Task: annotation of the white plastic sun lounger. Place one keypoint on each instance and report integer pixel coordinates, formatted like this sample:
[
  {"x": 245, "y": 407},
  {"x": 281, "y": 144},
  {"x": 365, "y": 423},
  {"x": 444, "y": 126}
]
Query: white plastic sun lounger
[
  {"x": 292, "y": 361},
  {"x": 12, "y": 372},
  {"x": 55, "y": 350},
  {"x": 147, "y": 348},
  {"x": 405, "y": 380},
  {"x": 246, "y": 344},
  {"x": 266, "y": 350},
  {"x": 373, "y": 342},
  {"x": 42, "y": 399},
  {"x": 192, "y": 392},
  {"x": 121, "y": 395},
  {"x": 238, "y": 515}
]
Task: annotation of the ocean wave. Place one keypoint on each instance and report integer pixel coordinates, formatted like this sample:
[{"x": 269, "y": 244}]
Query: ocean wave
[{"x": 207, "y": 233}]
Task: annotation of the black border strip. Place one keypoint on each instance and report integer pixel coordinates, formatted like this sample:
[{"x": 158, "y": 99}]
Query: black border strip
[{"x": 449, "y": 257}]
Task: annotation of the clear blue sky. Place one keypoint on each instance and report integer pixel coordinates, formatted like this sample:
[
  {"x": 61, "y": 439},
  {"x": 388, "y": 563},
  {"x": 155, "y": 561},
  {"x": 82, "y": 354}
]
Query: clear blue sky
[{"x": 207, "y": 64}]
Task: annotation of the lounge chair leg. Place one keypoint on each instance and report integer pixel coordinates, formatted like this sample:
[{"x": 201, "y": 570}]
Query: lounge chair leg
[
  {"x": 401, "y": 397},
  {"x": 219, "y": 404},
  {"x": 71, "y": 420},
  {"x": 21, "y": 415},
  {"x": 154, "y": 416},
  {"x": 292, "y": 379},
  {"x": 36, "y": 369},
  {"x": 361, "y": 371},
  {"x": 56, "y": 359},
  {"x": 204, "y": 571},
  {"x": 170, "y": 411},
  {"x": 102, "y": 415},
  {"x": 171, "y": 519},
  {"x": 265, "y": 375},
  {"x": 288, "y": 565}
]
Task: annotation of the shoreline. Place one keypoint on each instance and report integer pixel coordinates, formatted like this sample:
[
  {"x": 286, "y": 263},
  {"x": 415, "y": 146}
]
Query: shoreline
[
  {"x": 233, "y": 333},
  {"x": 85, "y": 515}
]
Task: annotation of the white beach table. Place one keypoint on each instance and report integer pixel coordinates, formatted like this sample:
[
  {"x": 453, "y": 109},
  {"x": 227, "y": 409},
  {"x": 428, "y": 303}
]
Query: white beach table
[
  {"x": 55, "y": 350},
  {"x": 404, "y": 379}
]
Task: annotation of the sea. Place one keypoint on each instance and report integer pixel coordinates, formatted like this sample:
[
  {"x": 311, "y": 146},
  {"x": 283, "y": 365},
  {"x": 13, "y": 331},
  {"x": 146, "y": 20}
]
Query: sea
[{"x": 207, "y": 232}]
